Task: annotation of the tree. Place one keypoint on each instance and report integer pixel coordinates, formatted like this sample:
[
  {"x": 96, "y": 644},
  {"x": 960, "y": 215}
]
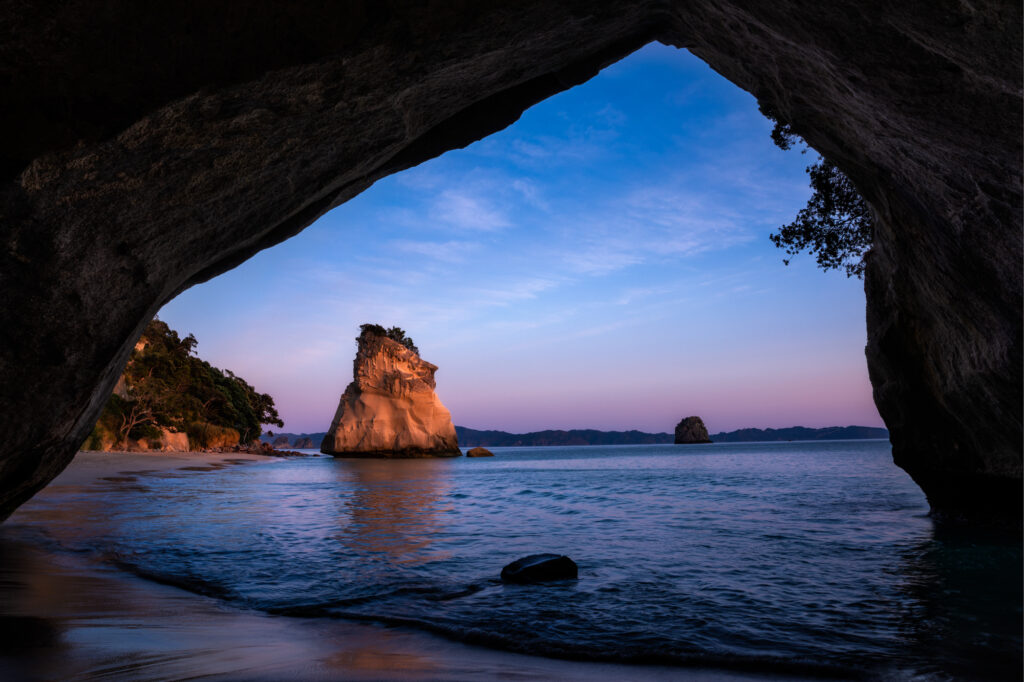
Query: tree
[
  {"x": 166, "y": 385},
  {"x": 836, "y": 225},
  {"x": 394, "y": 333},
  {"x": 135, "y": 415}
]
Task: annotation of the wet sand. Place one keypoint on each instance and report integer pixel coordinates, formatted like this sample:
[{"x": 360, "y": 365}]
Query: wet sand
[
  {"x": 89, "y": 467},
  {"x": 69, "y": 616}
]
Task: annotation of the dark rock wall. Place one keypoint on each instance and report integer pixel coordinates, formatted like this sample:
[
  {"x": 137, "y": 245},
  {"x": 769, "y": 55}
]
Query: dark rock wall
[
  {"x": 147, "y": 148},
  {"x": 920, "y": 104}
]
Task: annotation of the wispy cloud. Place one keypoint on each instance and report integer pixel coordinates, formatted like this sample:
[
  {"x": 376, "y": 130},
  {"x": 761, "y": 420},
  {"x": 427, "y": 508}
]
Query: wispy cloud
[
  {"x": 452, "y": 251},
  {"x": 632, "y": 295},
  {"x": 514, "y": 291},
  {"x": 602, "y": 256},
  {"x": 649, "y": 224},
  {"x": 467, "y": 211},
  {"x": 530, "y": 193}
]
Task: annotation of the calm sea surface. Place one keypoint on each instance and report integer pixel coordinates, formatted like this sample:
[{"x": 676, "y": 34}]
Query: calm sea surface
[{"x": 809, "y": 557}]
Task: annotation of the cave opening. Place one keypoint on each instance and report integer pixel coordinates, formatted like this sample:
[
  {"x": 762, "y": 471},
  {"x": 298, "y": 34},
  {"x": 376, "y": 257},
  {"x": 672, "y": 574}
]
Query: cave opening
[
  {"x": 612, "y": 242},
  {"x": 191, "y": 149},
  {"x": 186, "y": 155}
]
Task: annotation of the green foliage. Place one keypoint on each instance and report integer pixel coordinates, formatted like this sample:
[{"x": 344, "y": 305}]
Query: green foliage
[
  {"x": 393, "y": 333},
  {"x": 166, "y": 385},
  {"x": 204, "y": 435},
  {"x": 836, "y": 225},
  {"x": 94, "y": 441}
]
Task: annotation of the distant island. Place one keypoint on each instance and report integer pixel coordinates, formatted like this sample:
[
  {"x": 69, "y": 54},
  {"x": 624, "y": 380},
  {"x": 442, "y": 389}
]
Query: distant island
[
  {"x": 801, "y": 433},
  {"x": 298, "y": 441},
  {"x": 473, "y": 437}
]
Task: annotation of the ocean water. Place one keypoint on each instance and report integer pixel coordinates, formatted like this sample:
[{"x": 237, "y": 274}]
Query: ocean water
[{"x": 810, "y": 558}]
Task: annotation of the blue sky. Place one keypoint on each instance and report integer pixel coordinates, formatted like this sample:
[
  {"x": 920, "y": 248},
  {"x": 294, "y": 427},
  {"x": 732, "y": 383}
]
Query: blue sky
[{"x": 602, "y": 263}]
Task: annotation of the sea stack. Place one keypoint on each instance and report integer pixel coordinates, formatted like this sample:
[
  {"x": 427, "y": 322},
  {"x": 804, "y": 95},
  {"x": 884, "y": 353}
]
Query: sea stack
[
  {"x": 692, "y": 430},
  {"x": 390, "y": 408}
]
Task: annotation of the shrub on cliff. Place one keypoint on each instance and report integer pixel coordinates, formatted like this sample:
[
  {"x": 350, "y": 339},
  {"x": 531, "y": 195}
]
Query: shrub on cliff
[
  {"x": 166, "y": 385},
  {"x": 393, "y": 333}
]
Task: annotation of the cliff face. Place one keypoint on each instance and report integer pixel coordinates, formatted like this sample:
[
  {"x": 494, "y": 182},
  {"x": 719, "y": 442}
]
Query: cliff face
[
  {"x": 390, "y": 408},
  {"x": 209, "y": 134}
]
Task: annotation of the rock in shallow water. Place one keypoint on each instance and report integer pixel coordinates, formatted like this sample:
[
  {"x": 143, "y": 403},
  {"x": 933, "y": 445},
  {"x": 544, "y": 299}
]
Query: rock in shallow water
[
  {"x": 479, "y": 452},
  {"x": 390, "y": 409},
  {"x": 538, "y": 568}
]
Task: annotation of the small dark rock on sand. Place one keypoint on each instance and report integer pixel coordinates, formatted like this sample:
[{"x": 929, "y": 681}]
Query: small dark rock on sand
[
  {"x": 538, "y": 568},
  {"x": 479, "y": 452}
]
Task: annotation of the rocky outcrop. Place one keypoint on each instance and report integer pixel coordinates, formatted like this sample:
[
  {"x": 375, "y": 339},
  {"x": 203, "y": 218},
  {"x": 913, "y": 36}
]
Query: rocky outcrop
[
  {"x": 280, "y": 442},
  {"x": 210, "y": 134},
  {"x": 479, "y": 452},
  {"x": 691, "y": 430},
  {"x": 390, "y": 408},
  {"x": 303, "y": 444}
]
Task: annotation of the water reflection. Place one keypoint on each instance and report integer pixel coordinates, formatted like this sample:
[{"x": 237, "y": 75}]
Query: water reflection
[
  {"x": 394, "y": 508},
  {"x": 962, "y": 615}
]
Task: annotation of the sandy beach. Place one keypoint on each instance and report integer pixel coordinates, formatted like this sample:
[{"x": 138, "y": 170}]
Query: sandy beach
[
  {"x": 71, "y": 616},
  {"x": 90, "y": 467}
]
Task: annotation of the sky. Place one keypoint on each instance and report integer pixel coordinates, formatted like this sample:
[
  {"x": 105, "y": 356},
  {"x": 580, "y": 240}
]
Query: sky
[{"x": 602, "y": 263}]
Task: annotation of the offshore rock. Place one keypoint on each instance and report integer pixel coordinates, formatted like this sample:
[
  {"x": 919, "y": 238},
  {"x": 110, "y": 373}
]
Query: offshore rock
[
  {"x": 390, "y": 408},
  {"x": 538, "y": 568},
  {"x": 479, "y": 452},
  {"x": 304, "y": 444},
  {"x": 691, "y": 430}
]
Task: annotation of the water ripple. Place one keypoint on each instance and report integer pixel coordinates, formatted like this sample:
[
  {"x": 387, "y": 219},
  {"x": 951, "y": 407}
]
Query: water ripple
[{"x": 811, "y": 558}]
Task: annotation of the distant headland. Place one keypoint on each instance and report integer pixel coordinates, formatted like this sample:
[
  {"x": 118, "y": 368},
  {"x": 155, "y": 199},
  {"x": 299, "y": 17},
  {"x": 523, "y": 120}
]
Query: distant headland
[
  {"x": 470, "y": 437},
  {"x": 473, "y": 437}
]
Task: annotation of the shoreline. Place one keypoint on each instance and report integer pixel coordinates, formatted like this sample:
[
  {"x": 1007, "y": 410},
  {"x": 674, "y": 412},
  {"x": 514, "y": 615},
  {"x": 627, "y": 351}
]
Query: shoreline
[
  {"x": 66, "y": 615},
  {"x": 90, "y": 466},
  {"x": 82, "y": 619}
]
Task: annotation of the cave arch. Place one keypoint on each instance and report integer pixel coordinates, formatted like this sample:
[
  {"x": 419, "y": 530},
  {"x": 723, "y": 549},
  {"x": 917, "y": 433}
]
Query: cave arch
[{"x": 153, "y": 148}]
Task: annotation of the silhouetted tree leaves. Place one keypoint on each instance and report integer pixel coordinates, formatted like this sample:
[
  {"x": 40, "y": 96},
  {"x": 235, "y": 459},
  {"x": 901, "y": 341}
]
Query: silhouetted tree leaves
[{"x": 836, "y": 225}]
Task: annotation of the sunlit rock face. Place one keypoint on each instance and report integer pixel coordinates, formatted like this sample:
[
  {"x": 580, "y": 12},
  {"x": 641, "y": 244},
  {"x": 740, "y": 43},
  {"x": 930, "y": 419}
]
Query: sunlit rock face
[
  {"x": 390, "y": 408},
  {"x": 209, "y": 134}
]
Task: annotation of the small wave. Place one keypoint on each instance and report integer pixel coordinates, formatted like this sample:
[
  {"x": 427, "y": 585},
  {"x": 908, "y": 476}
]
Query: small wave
[
  {"x": 327, "y": 608},
  {"x": 637, "y": 654},
  {"x": 190, "y": 583},
  {"x": 568, "y": 651}
]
